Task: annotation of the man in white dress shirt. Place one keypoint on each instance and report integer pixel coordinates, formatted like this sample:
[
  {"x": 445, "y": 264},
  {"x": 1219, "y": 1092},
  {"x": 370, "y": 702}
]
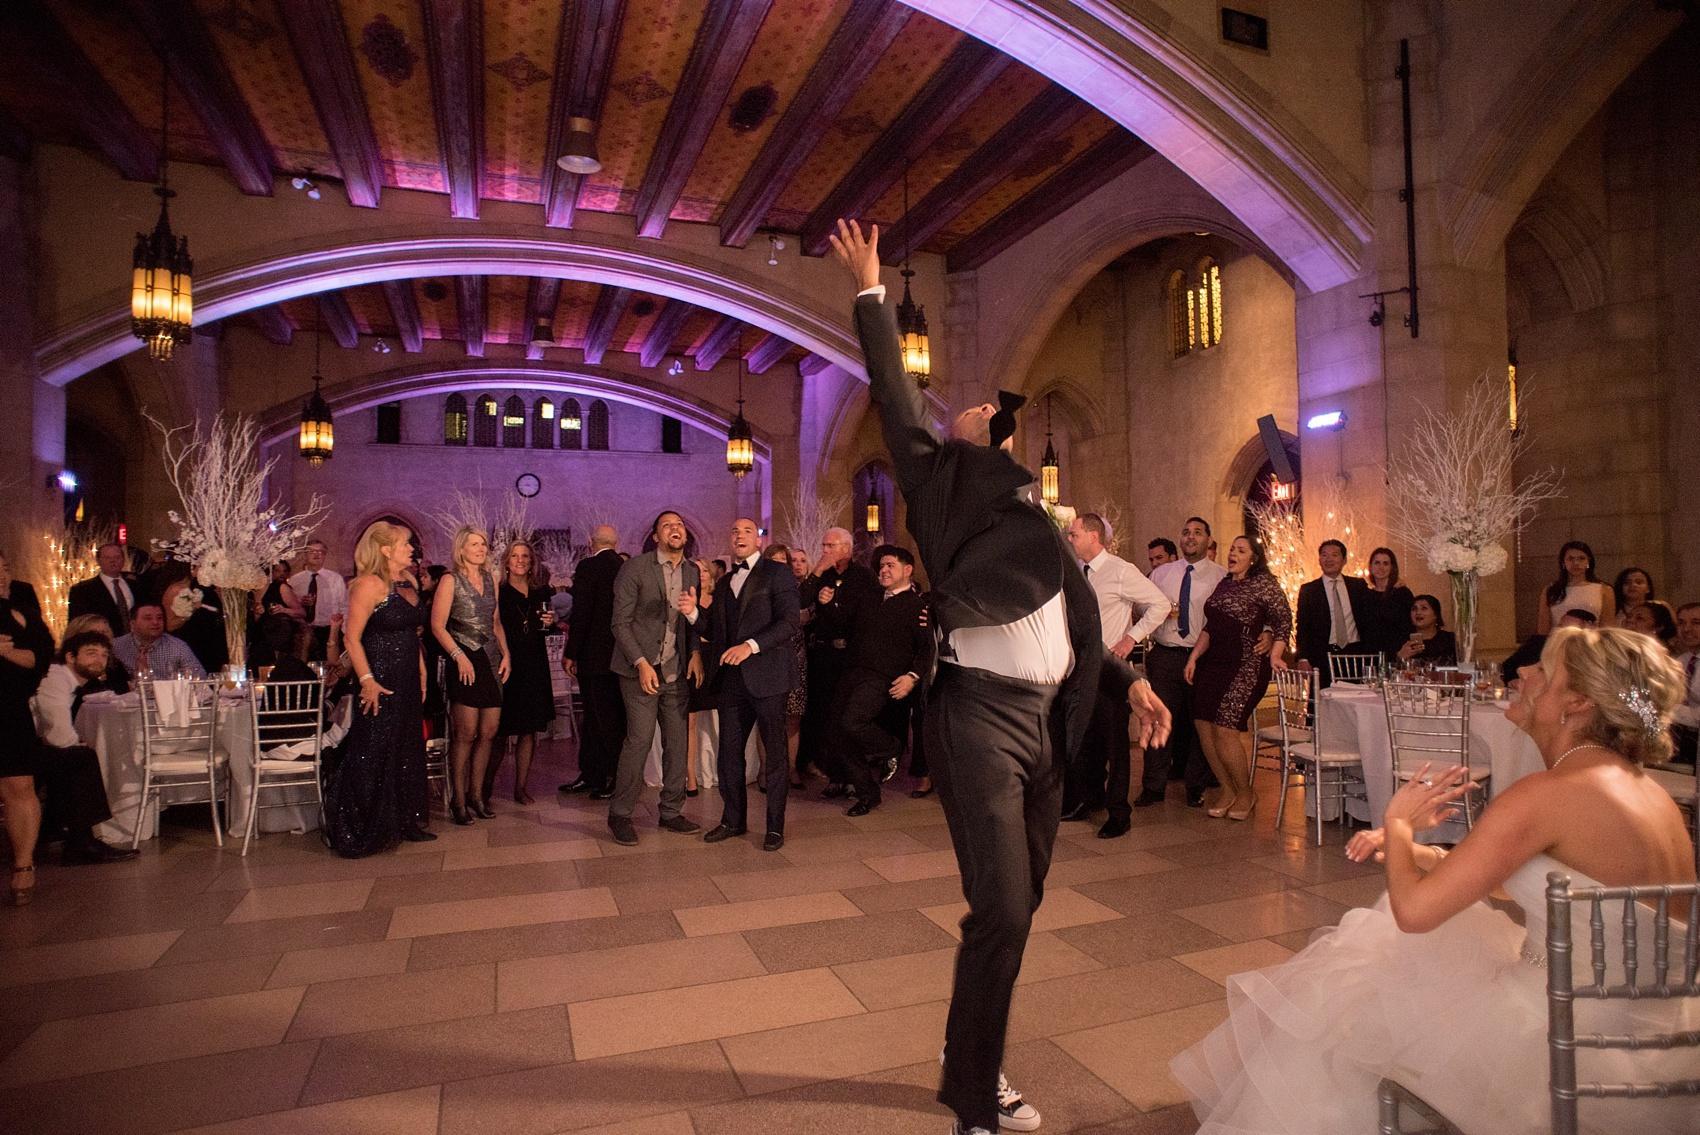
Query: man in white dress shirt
[
  {"x": 1187, "y": 582},
  {"x": 68, "y": 770},
  {"x": 1686, "y": 720},
  {"x": 1130, "y": 607},
  {"x": 323, "y": 594}
]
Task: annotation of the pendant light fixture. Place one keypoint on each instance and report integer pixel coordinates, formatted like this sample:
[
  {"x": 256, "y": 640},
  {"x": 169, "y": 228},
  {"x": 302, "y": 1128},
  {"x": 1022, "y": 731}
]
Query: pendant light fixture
[
  {"x": 873, "y": 518},
  {"x": 317, "y": 434},
  {"x": 578, "y": 155},
  {"x": 1050, "y": 472},
  {"x": 911, "y": 316},
  {"x": 1513, "y": 420},
  {"x": 161, "y": 294},
  {"x": 740, "y": 448}
]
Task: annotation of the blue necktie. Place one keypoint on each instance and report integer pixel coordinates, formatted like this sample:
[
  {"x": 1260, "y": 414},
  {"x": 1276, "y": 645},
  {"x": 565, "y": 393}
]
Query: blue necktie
[{"x": 1186, "y": 602}]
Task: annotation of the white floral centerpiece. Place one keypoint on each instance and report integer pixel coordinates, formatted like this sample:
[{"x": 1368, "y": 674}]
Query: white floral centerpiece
[
  {"x": 226, "y": 529},
  {"x": 1457, "y": 498},
  {"x": 1061, "y": 515}
]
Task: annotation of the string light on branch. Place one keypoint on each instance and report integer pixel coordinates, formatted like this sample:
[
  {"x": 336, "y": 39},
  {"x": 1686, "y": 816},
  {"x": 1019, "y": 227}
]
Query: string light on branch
[{"x": 161, "y": 275}]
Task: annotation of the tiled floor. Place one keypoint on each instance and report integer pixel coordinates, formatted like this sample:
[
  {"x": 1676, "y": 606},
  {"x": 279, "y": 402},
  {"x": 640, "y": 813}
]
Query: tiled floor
[{"x": 529, "y": 975}]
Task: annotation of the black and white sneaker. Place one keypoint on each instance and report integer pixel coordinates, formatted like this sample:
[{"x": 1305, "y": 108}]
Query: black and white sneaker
[
  {"x": 958, "y": 1129},
  {"x": 1014, "y": 1113}
]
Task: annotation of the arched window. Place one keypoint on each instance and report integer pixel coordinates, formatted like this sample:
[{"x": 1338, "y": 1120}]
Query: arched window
[
  {"x": 513, "y": 422},
  {"x": 484, "y": 423},
  {"x": 1195, "y": 308},
  {"x": 454, "y": 420},
  {"x": 543, "y": 424},
  {"x": 596, "y": 429},
  {"x": 1180, "y": 323},
  {"x": 572, "y": 425},
  {"x": 1208, "y": 289}
]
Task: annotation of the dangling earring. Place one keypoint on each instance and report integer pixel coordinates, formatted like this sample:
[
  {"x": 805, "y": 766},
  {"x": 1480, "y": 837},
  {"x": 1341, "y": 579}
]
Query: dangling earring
[{"x": 1563, "y": 719}]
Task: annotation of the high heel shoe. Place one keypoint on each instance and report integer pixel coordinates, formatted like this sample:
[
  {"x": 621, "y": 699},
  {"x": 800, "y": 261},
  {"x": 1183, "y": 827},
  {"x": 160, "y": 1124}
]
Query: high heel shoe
[
  {"x": 481, "y": 809},
  {"x": 1236, "y": 814},
  {"x": 458, "y": 814},
  {"x": 1223, "y": 804},
  {"x": 522, "y": 797},
  {"x": 21, "y": 896}
]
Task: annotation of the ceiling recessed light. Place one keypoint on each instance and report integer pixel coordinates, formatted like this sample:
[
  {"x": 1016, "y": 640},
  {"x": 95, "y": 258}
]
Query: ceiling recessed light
[{"x": 578, "y": 154}]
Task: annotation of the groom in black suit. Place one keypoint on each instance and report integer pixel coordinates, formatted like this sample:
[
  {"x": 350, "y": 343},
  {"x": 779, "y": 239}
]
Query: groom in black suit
[
  {"x": 751, "y": 666},
  {"x": 1019, "y": 670}
]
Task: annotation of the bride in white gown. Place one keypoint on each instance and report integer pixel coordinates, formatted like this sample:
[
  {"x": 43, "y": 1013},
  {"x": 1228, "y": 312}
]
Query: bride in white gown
[{"x": 1439, "y": 990}]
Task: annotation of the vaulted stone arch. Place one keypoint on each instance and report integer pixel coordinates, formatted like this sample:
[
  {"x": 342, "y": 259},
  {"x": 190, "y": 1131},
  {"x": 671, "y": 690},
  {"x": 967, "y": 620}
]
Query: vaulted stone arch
[{"x": 1565, "y": 229}]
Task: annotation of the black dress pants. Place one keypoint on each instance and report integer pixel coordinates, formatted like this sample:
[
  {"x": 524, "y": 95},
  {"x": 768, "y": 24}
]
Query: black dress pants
[
  {"x": 1165, "y": 667},
  {"x": 995, "y": 745},
  {"x": 739, "y": 713},
  {"x": 917, "y": 735},
  {"x": 75, "y": 792},
  {"x": 818, "y": 742},
  {"x": 873, "y": 726},
  {"x": 604, "y": 728},
  {"x": 1098, "y": 777}
]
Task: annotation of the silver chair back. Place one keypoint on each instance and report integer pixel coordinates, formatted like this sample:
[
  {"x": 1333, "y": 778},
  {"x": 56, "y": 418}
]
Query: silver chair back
[
  {"x": 1670, "y": 978},
  {"x": 1430, "y": 723},
  {"x": 286, "y": 715},
  {"x": 179, "y": 743},
  {"x": 1352, "y": 667}
]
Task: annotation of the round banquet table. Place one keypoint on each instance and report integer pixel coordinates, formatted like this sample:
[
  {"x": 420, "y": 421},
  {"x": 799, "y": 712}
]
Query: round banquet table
[{"x": 113, "y": 728}]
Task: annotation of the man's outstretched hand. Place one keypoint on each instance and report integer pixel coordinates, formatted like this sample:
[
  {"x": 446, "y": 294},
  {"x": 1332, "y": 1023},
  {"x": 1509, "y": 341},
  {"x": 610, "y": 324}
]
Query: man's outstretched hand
[
  {"x": 1151, "y": 717},
  {"x": 860, "y": 255}
]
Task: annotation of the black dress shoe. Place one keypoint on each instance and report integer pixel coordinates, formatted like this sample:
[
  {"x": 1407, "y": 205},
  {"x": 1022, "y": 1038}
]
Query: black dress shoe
[
  {"x": 94, "y": 851},
  {"x": 773, "y": 842},
  {"x": 1149, "y": 798},
  {"x": 720, "y": 831},
  {"x": 861, "y": 808},
  {"x": 1113, "y": 828},
  {"x": 623, "y": 831},
  {"x": 1195, "y": 798},
  {"x": 578, "y": 785},
  {"x": 692, "y": 792},
  {"x": 604, "y": 793},
  {"x": 679, "y": 824},
  {"x": 1079, "y": 812},
  {"x": 417, "y": 835}
]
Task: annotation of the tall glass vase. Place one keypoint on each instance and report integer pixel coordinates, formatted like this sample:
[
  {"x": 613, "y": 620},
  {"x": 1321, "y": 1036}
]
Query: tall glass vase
[
  {"x": 235, "y": 600},
  {"x": 1465, "y": 585}
]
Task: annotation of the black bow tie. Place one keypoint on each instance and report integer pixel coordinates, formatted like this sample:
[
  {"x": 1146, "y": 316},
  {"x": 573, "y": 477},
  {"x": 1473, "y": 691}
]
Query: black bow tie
[{"x": 738, "y": 566}]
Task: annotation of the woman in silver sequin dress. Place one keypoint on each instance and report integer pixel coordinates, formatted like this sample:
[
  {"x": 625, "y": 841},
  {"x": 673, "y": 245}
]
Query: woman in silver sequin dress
[{"x": 463, "y": 619}]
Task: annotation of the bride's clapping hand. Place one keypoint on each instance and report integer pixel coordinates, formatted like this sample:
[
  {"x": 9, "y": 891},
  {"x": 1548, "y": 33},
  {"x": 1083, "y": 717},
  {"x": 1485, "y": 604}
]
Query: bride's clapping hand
[
  {"x": 1366, "y": 845},
  {"x": 1422, "y": 801}
]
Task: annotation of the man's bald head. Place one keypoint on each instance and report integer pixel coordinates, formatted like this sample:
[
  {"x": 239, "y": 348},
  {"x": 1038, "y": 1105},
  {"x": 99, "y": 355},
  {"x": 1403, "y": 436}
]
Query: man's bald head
[{"x": 604, "y": 537}]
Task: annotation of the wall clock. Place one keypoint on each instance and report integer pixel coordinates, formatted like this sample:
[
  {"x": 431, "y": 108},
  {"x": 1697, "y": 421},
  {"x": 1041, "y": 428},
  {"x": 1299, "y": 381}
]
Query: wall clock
[{"x": 528, "y": 484}]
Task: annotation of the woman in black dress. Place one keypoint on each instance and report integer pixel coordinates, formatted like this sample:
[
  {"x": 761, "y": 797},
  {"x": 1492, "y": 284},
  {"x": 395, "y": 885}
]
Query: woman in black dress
[
  {"x": 528, "y": 696},
  {"x": 26, "y": 650},
  {"x": 377, "y": 795},
  {"x": 1229, "y": 677},
  {"x": 279, "y": 598},
  {"x": 1389, "y": 605},
  {"x": 1428, "y": 643},
  {"x": 19, "y": 594},
  {"x": 464, "y": 623}
]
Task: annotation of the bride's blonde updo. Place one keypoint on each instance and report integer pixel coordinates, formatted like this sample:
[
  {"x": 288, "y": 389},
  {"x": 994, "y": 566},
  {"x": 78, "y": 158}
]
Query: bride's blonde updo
[{"x": 1632, "y": 681}]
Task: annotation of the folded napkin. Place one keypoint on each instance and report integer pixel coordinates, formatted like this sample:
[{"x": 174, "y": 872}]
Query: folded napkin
[
  {"x": 100, "y": 697},
  {"x": 295, "y": 751},
  {"x": 178, "y": 707}
]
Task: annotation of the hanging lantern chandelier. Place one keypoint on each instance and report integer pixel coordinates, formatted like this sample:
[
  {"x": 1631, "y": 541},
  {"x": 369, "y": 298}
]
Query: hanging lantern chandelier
[
  {"x": 873, "y": 518},
  {"x": 911, "y": 316},
  {"x": 740, "y": 446},
  {"x": 1050, "y": 472},
  {"x": 317, "y": 433},
  {"x": 161, "y": 299}
]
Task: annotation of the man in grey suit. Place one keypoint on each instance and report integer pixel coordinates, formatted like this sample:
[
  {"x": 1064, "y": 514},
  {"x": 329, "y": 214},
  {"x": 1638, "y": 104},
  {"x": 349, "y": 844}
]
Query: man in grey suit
[{"x": 655, "y": 653}]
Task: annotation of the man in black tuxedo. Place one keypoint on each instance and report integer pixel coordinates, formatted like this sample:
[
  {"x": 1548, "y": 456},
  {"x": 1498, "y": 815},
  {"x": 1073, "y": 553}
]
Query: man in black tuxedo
[
  {"x": 1331, "y": 609},
  {"x": 108, "y": 594},
  {"x": 751, "y": 666},
  {"x": 590, "y": 648},
  {"x": 838, "y": 586},
  {"x": 889, "y": 651},
  {"x": 1019, "y": 673}
]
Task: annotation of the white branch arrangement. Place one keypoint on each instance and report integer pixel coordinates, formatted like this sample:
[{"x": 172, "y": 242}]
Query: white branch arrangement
[
  {"x": 504, "y": 521},
  {"x": 807, "y": 516}
]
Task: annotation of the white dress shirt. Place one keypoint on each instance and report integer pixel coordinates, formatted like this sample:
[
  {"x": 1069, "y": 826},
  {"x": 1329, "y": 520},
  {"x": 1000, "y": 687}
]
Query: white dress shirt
[
  {"x": 1340, "y": 611},
  {"x": 1206, "y": 574},
  {"x": 1123, "y": 591},
  {"x": 52, "y": 706},
  {"x": 1688, "y": 712},
  {"x": 1034, "y": 648},
  {"x": 332, "y": 595}
]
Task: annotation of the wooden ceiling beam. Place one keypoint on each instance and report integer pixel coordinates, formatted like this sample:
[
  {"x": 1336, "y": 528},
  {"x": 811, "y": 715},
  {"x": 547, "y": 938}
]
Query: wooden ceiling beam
[
  {"x": 1096, "y": 167},
  {"x": 320, "y": 41},
  {"x": 404, "y": 310},
  {"x": 338, "y": 319},
  {"x": 722, "y": 41},
  {"x": 1052, "y": 111},
  {"x": 469, "y": 295},
  {"x": 584, "y": 59},
  {"x": 542, "y": 297},
  {"x": 861, "y": 38},
  {"x": 811, "y": 364},
  {"x": 604, "y": 317},
  {"x": 275, "y": 324},
  {"x": 179, "y": 36},
  {"x": 454, "y": 44},
  {"x": 763, "y": 355},
  {"x": 720, "y": 339},
  {"x": 658, "y": 343},
  {"x": 102, "y": 116},
  {"x": 969, "y": 72}
]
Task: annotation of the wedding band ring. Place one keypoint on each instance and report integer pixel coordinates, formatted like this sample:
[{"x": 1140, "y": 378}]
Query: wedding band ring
[{"x": 1428, "y": 781}]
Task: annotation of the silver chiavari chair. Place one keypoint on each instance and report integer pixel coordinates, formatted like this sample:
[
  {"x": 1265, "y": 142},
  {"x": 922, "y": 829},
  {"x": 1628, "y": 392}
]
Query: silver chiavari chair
[
  {"x": 180, "y": 751},
  {"x": 437, "y": 748},
  {"x": 286, "y": 715},
  {"x": 1332, "y": 777},
  {"x": 1352, "y": 667},
  {"x": 1430, "y": 723},
  {"x": 1671, "y": 978}
]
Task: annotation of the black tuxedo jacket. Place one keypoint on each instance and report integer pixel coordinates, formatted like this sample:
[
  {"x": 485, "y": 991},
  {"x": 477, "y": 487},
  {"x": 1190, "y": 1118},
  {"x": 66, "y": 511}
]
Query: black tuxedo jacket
[
  {"x": 590, "y": 625},
  {"x": 1315, "y": 622},
  {"x": 90, "y": 597},
  {"x": 887, "y": 637},
  {"x": 991, "y": 555},
  {"x": 766, "y": 611}
]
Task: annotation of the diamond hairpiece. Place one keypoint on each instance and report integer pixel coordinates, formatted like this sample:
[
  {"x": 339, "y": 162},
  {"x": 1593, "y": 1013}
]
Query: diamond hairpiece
[{"x": 1640, "y": 702}]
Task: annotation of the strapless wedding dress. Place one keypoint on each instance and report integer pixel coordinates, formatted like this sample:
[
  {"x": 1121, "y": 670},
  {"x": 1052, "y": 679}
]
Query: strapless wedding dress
[{"x": 1457, "y": 1015}]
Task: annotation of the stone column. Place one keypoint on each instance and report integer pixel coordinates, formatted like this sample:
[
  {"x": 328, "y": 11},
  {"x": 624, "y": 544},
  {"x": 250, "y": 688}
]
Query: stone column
[{"x": 32, "y": 451}]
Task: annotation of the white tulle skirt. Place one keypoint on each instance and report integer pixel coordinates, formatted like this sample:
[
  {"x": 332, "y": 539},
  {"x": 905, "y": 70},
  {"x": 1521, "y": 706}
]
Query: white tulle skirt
[{"x": 1455, "y": 1015}]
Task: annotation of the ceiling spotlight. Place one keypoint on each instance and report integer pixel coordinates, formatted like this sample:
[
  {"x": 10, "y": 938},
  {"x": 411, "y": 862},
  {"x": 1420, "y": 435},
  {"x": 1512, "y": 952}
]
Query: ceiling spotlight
[
  {"x": 578, "y": 155},
  {"x": 382, "y": 346},
  {"x": 306, "y": 186},
  {"x": 676, "y": 367},
  {"x": 775, "y": 245}
]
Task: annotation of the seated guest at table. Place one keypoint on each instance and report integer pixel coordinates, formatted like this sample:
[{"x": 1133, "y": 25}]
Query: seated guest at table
[
  {"x": 1429, "y": 644},
  {"x": 1654, "y": 618},
  {"x": 1576, "y": 586},
  {"x": 195, "y": 614},
  {"x": 1529, "y": 652},
  {"x": 1686, "y": 720},
  {"x": 108, "y": 593},
  {"x": 117, "y": 676},
  {"x": 1228, "y": 675},
  {"x": 15, "y": 591},
  {"x": 1435, "y": 988},
  {"x": 1333, "y": 610},
  {"x": 282, "y": 642},
  {"x": 1633, "y": 587},
  {"x": 147, "y": 649},
  {"x": 1387, "y": 606},
  {"x": 1161, "y": 551},
  {"x": 64, "y": 766}
]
